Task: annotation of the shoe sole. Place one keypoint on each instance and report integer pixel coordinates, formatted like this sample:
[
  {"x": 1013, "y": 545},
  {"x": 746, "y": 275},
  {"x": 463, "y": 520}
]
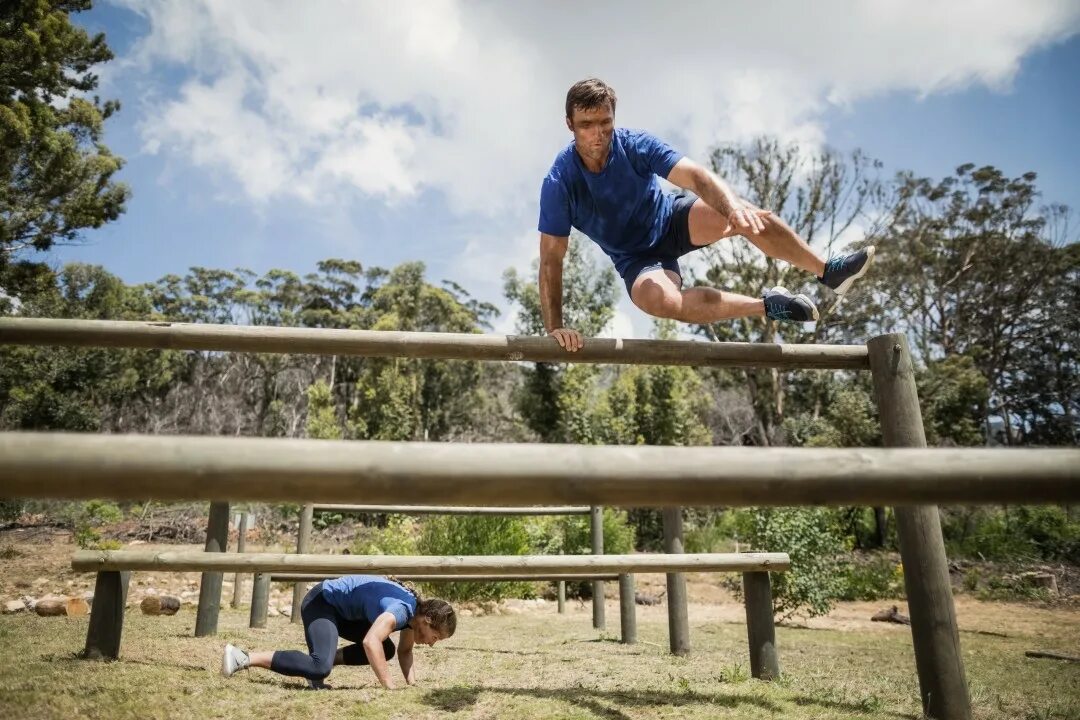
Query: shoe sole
[
  {"x": 842, "y": 289},
  {"x": 225, "y": 663}
]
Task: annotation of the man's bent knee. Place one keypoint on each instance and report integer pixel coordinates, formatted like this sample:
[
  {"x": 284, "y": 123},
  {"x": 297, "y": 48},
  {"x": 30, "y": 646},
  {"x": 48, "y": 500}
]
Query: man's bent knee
[{"x": 658, "y": 302}]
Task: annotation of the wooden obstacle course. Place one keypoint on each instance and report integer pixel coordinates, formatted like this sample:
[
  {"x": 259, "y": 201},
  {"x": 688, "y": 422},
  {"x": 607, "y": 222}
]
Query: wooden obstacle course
[
  {"x": 912, "y": 479},
  {"x": 114, "y": 567}
]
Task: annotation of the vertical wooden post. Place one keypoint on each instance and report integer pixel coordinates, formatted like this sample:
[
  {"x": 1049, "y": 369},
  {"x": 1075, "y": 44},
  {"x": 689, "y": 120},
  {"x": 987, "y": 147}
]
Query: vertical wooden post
[
  {"x": 760, "y": 631},
  {"x": 241, "y": 542},
  {"x": 678, "y": 622},
  {"x": 926, "y": 572},
  {"x": 260, "y": 600},
  {"x": 217, "y": 540},
  {"x": 562, "y": 597},
  {"x": 303, "y": 544},
  {"x": 627, "y": 609},
  {"x": 597, "y": 522},
  {"x": 107, "y": 616}
]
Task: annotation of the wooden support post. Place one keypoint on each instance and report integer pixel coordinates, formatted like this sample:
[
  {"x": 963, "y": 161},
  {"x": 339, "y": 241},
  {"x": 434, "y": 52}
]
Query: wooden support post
[
  {"x": 303, "y": 544},
  {"x": 597, "y": 522},
  {"x": 107, "y": 616},
  {"x": 627, "y": 609},
  {"x": 678, "y": 622},
  {"x": 562, "y": 597},
  {"x": 217, "y": 540},
  {"x": 926, "y": 572},
  {"x": 760, "y": 631},
  {"x": 260, "y": 599},
  {"x": 238, "y": 578}
]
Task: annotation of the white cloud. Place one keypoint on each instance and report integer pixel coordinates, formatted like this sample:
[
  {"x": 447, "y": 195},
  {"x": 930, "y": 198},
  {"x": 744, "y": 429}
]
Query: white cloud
[
  {"x": 317, "y": 104},
  {"x": 308, "y": 99}
]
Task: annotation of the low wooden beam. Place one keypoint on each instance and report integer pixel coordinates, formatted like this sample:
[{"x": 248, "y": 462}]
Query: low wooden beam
[
  {"x": 455, "y": 346},
  {"x": 140, "y": 467},
  {"x": 454, "y": 510},
  {"x": 567, "y": 577},
  {"x": 533, "y": 565}
]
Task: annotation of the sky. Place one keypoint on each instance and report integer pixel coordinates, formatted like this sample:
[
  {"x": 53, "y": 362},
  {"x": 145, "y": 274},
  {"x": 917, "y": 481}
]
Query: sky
[{"x": 268, "y": 134}]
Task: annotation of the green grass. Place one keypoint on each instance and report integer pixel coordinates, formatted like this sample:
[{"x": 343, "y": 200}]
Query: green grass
[{"x": 523, "y": 667}]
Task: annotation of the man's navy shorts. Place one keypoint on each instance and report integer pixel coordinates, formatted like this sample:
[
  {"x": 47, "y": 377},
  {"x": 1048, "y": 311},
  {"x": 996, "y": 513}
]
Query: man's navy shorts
[{"x": 674, "y": 243}]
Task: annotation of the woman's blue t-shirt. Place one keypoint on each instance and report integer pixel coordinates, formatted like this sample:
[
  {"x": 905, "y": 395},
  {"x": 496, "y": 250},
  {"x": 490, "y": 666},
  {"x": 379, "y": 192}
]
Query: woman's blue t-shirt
[
  {"x": 622, "y": 208},
  {"x": 366, "y": 597}
]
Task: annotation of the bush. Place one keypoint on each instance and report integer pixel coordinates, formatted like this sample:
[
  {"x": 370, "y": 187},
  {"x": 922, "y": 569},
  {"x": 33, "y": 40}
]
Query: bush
[
  {"x": 877, "y": 577},
  {"x": 475, "y": 535},
  {"x": 397, "y": 538},
  {"x": 1024, "y": 533},
  {"x": 87, "y": 520},
  {"x": 809, "y": 536},
  {"x": 577, "y": 533},
  {"x": 714, "y": 533}
]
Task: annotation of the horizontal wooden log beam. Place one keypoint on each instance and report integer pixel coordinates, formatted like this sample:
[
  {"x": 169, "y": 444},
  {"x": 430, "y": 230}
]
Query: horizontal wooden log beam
[
  {"x": 141, "y": 467},
  {"x": 541, "y": 565},
  {"x": 567, "y": 577},
  {"x": 456, "y": 346},
  {"x": 455, "y": 509}
]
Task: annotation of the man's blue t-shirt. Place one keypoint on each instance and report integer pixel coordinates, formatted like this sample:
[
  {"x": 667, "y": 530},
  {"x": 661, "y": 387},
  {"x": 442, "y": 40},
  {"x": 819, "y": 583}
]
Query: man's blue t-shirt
[
  {"x": 622, "y": 208},
  {"x": 366, "y": 597}
]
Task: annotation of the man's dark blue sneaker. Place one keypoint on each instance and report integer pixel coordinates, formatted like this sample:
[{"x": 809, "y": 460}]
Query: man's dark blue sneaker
[
  {"x": 780, "y": 304},
  {"x": 842, "y": 272}
]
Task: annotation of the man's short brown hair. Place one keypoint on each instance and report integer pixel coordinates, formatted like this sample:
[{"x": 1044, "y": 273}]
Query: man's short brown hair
[{"x": 588, "y": 95}]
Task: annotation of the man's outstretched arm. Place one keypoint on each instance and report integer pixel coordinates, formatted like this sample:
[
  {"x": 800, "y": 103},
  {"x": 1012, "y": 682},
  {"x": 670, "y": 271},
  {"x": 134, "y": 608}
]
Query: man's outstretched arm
[
  {"x": 688, "y": 175},
  {"x": 552, "y": 252}
]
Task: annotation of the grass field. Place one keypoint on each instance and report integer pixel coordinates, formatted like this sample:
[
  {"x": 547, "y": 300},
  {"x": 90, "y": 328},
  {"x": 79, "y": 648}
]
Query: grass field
[{"x": 538, "y": 665}]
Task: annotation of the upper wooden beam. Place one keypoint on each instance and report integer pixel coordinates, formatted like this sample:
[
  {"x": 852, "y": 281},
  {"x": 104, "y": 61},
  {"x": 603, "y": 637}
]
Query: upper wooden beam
[{"x": 457, "y": 346}]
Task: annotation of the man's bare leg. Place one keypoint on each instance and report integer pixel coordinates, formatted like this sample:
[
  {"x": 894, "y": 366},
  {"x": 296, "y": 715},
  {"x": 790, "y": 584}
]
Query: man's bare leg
[
  {"x": 659, "y": 293},
  {"x": 778, "y": 240}
]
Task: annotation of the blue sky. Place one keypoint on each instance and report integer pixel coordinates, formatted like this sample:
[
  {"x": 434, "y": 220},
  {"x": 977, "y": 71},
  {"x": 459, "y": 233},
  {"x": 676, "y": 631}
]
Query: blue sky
[{"x": 266, "y": 135}]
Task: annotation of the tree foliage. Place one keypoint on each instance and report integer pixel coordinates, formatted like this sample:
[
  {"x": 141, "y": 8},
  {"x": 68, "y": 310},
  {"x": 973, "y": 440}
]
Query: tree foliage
[{"x": 57, "y": 170}]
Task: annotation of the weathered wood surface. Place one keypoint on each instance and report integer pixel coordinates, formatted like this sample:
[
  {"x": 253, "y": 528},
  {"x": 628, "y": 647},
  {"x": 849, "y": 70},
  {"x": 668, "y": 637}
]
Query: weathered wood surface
[
  {"x": 458, "y": 346},
  {"x": 74, "y": 465},
  {"x": 455, "y": 509},
  {"x": 566, "y": 577},
  {"x": 194, "y": 561}
]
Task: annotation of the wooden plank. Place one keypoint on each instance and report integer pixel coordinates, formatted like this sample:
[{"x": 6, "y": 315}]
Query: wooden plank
[
  {"x": 459, "y": 346},
  {"x": 938, "y": 659},
  {"x": 678, "y": 617},
  {"x": 760, "y": 629},
  {"x": 567, "y": 577},
  {"x": 73, "y": 465},
  {"x": 106, "y": 626},
  {"x": 194, "y": 561},
  {"x": 596, "y": 534},
  {"x": 217, "y": 541},
  {"x": 455, "y": 509},
  {"x": 627, "y": 609},
  {"x": 303, "y": 544}
]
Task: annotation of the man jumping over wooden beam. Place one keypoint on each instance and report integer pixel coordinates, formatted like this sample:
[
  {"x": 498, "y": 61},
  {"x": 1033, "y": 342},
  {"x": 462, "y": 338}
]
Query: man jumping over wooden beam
[{"x": 605, "y": 184}]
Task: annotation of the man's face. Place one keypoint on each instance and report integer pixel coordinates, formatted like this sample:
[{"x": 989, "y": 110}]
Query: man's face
[{"x": 592, "y": 131}]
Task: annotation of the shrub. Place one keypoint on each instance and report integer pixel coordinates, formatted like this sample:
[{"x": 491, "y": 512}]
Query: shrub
[
  {"x": 475, "y": 535},
  {"x": 810, "y": 537},
  {"x": 875, "y": 578},
  {"x": 87, "y": 520},
  {"x": 397, "y": 538}
]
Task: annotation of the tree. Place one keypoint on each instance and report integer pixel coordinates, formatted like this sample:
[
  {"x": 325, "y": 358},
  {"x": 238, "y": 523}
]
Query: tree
[
  {"x": 823, "y": 196},
  {"x": 589, "y": 294},
  {"x": 972, "y": 266},
  {"x": 57, "y": 172}
]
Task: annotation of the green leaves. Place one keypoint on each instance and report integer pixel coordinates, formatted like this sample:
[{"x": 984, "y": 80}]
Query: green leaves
[{"x": 57, "y": 174}]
